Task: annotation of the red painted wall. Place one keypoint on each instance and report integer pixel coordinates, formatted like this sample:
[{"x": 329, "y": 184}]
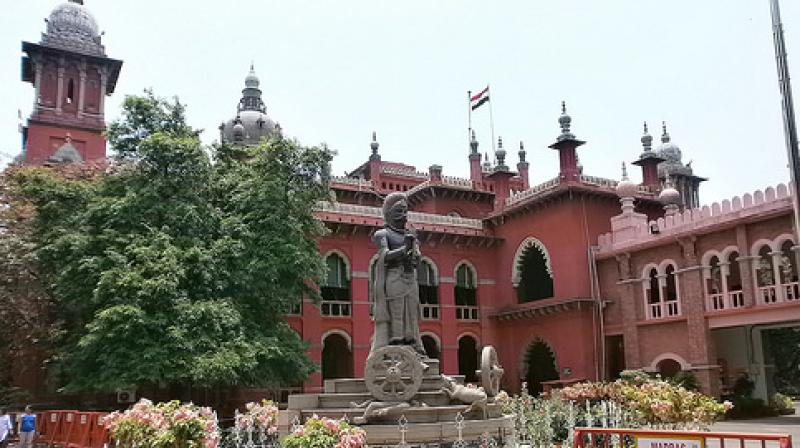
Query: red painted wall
[{"x": 43, "y": 141}]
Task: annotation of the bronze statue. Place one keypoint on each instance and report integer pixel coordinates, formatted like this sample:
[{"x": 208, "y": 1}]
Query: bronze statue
[{"x": 395, "y": 290}]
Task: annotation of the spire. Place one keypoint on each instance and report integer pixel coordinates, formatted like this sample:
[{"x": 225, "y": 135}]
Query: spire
[
  {"x": 521, "y": 152},
  {"x": 374, "y": 146},
  {"x": 565, "y": 121},
  {"x": 665, "y": 134},
  {"x": 500, "y": 153},
  {"x": 647, "y": 139},
  {"x": 473, "y": 143},
  {"x": 487, "y": 163},
  {"x": 251, "y": 94},
  {"x": 624, "y": 172}
]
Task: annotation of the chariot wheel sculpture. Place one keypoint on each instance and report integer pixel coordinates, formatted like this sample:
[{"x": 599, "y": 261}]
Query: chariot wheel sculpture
[
  {"x": 393, "y": 373},
  {"x": 490, "y": 372}
]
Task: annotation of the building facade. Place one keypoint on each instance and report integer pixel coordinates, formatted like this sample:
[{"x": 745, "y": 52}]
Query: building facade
[{"x": 576, "y": 278}]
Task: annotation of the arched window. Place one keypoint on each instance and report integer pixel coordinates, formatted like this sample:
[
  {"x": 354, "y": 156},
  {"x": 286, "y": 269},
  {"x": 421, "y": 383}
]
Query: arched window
[
  {"x": 70, "y": 91},
  {"x": 671, "y": 302},
  {"x": 428, "y": 290},
  {"x": 336, "y": 290},
  {"x": 535, "y": 279},
  {"x": 788, "y": 272},
  {"x": 466, "y": 293},
  {"x": 765, "y": 276},
  {"x": 653, "y": 294},
  {"x": 734, "y": 281}
]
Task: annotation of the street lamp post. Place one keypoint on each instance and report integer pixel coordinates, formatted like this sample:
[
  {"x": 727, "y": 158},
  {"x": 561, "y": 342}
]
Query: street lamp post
[{"x": 789, "y": 124}]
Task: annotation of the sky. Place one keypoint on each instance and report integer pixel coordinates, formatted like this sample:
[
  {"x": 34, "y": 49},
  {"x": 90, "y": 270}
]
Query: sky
[{"x": 333, "y": 72}]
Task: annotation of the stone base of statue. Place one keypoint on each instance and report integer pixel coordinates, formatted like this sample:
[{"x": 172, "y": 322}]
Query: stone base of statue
[{"x": 405, "y": 399}]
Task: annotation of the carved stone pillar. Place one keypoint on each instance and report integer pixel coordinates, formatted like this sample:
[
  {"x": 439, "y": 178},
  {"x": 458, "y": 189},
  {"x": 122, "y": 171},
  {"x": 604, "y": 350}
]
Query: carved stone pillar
[
  {"x": 38, "y": 67},
  {"x": 776, "y": 275},
  {"x": 745, "y": 261},
  {"x": 60, "y": 90},
  {"x": 724, "y": 271},
  {"x": 82, "y": 93}
]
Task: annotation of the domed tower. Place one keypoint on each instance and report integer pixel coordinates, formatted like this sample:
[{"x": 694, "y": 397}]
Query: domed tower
[
  {"x": 72, "y": 76},
  {"x": 681, "y": 175},
  {"x": 251, "y": 123}
]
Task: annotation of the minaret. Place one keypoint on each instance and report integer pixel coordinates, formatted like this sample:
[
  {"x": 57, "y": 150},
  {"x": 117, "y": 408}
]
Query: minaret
[
  {"x": 72, "y": 76},
  {"x": 566, "y": 144},
  {"x": 474, "y": 159},
  {"x": 522, "y": 167},
  {"x": 649, "y": 161},
  {"x": 374, "y": 171},
  {"x": 500, "y": 176}
]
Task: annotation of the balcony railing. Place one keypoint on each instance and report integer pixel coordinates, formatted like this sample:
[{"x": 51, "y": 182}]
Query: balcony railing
[
  {"x": 430, "y": 312},
  {"x": 767, "y": 294},
  {"x": 722, "y": 301},
  {"x": 464, "y": 312},
  {"x": 791, "y": 292},
  {"x": 336, "y": 308}
]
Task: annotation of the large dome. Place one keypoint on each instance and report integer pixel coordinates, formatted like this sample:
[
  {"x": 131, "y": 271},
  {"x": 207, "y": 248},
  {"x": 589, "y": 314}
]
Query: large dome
[
  {"x": 71, "y": 26},
  {"x": 251, "y": 123},
  {"x": 256, "y": 125}
]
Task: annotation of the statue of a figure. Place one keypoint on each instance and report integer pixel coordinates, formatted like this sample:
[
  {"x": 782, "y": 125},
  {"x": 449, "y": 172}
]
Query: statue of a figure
[{"x": 395, "y": 290}]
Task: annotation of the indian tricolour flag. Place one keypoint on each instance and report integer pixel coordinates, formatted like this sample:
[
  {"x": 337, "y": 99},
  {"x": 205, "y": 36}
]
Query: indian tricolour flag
[{"x": 479, "y": 99}]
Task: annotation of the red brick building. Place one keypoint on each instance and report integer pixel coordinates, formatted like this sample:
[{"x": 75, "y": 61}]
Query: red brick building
[{"x": 564, "y": 281}]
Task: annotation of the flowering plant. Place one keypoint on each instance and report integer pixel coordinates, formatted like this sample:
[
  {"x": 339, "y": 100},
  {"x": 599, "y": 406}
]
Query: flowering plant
[
  {"x": 326, "y": 433},
  {"x": 262, "y": 417},
  {"x": 164, "y": 425}
]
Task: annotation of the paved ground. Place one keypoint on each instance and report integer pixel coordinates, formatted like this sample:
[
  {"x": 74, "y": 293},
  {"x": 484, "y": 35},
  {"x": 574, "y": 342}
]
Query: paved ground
[{"x": 789, "y": 424}]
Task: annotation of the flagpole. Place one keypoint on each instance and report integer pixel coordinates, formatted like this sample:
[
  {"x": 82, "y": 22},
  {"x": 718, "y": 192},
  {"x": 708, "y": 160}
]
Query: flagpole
[
  {"x": 491, "y": 118},
  {"x": 469, "y": 114}
]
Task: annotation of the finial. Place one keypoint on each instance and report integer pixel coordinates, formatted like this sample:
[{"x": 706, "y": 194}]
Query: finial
[
  {"x": 647, "y": 139},
  {"x": 500, "y": 154},
  {"x": 624, "y": 172},
  {"x": 473, "y": 143},
  {"x": 665, "y": 134},
  {"x": 564, "y": 121},
  {"x": 374, "y": 146},
  {"x": 521, "y": 152}
]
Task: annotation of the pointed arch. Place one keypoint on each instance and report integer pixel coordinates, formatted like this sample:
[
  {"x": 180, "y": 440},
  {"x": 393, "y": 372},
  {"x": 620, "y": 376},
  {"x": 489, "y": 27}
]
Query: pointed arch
[
  {"x": 527, "y": 243},
  {"x": 539, "y": 364}
]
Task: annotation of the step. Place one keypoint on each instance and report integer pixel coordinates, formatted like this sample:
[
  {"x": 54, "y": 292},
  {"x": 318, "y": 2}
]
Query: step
[
  {"x": 357, "y": 385},
  {"x": 343, "y": 400}
]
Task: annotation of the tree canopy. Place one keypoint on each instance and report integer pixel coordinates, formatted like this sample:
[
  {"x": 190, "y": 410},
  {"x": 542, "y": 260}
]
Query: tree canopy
[{"x": 177, "y": 264}]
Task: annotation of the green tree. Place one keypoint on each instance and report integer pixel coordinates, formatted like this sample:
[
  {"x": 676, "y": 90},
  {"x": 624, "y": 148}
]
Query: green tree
[{"x": 173, "y": 270}]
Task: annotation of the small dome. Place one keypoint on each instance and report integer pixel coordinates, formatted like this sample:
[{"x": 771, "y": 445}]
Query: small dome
[
  {"x": 252, "y": 81},
  {"x": 670, "y": 196},
  {"x": 72, "y": 26},
  {"x": 249, "y": 127},
  {"x": 626, "y": 188}
]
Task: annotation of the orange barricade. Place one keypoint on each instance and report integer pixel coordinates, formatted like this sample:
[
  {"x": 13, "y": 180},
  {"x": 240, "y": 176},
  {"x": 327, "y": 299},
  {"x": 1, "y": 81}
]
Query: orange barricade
[
  {"x": 53, "y": 427},
  {"x": 98, "y": 436},
  {"x": 78, "y": 436},
  {"x": 68, "y": 419},
  {"x": 614, "y": 437}
]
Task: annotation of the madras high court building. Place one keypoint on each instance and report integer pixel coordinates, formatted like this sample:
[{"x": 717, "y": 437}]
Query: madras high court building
[{"x": 573, "y": 279}]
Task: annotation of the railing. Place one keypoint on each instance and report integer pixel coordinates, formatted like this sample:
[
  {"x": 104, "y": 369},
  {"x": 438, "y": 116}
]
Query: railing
[
  {"x": 430, "y": 312},
  {"x": 464, "y": 312},
  {"x": 533, "y": 191},
  {"x": 768, "y": 294},
  {"x": 356, "y": 181},
  {"x": 737, "y": 299},
  {"x": 617, "y": 437},
  {"x": 655, "y": 310},
  {"x": 722, "y": 301},
  {"x": 791, "y": 291},
  {"x": 673, "y": 308},
  {"x": 414, "y": 217},
  {"x": 336, "y": 308},
  {"x": 716, "y": 302}
]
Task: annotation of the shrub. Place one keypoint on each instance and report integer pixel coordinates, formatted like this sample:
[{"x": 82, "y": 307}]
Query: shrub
[
  {"x": 782, "y": 403},
  {"x": 326, "y": 433},
  {"x": 687, "y": 380},
  {"x": 164, "y": 425}
]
